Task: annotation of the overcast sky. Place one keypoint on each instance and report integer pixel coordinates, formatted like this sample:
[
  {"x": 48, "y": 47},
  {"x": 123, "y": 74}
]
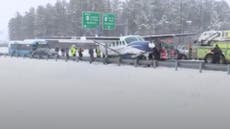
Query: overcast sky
[{"x": 9, "y": 8}]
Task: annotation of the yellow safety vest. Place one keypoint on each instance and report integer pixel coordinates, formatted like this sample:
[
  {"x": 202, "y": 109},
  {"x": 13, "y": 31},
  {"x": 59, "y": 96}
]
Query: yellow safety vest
[{"x": 73, "y": 51}]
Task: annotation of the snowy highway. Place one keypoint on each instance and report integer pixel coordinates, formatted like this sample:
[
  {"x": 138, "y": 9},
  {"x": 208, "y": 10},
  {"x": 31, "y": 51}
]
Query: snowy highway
[{"x": 41, "y": 94}]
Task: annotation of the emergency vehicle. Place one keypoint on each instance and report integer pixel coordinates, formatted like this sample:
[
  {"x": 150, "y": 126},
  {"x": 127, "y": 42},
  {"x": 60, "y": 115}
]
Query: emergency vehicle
[{"x": 207, "y": 41}]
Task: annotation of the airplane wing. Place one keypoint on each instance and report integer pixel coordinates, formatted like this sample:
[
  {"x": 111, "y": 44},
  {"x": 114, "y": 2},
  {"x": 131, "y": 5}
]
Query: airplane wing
[
  {"x": 147, "y": 37},
  {"x": 82, "y": 37},
  {"x": 102, "y": 38},
  {"x": 67, "y": 43},
  {"x": 83, "y": 42},
  {"x": 107, "y": 47},
  {"x": 152, "y": 37}
]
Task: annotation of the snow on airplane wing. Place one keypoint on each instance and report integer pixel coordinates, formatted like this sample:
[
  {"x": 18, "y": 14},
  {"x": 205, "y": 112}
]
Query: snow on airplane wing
[
  {"x": 67, "y": 43},
  {"x": 82, "y": 37},
  {"x": 151, "y": 37},
  {"x": 102, "y": 38}
]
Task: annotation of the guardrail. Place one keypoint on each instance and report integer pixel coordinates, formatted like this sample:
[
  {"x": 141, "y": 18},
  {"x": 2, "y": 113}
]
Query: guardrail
[
  {"x": 176, "y": 64},
  {"x": 189, "y": 64}
]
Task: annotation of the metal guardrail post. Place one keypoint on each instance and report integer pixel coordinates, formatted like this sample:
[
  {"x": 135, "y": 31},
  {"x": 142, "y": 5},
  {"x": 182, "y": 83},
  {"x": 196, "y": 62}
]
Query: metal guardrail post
[
  {"x": 176, "y": 65},
  {"x": 75, "y": 58},
  {"x": 79, "y": 59},
  {"x": 119, "y": 61},
  {"x": 135, "y": 62},
  {"x": 154, "y": 63},
  {"x": 201, "y": 65},
  {"x": 91, "y": 60},
  {"x": 228, "y": 68},
  {"x": 66, "y": 59},
  {"x": 105, "y": 60},
  {"x": 56, "y": 57}
]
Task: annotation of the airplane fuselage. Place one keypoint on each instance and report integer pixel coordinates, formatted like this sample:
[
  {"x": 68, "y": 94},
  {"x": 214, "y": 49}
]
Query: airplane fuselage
[{"x": 127, "y": 46}]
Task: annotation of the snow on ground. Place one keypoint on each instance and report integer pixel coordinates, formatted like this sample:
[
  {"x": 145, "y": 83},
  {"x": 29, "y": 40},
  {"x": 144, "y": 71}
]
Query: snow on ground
[{"x": 40, "y": 94}]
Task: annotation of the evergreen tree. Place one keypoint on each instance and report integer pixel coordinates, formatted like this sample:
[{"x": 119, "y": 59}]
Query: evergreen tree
[
  {"x": 132, "y": 17},
  {"x": 28, "y": 24}
]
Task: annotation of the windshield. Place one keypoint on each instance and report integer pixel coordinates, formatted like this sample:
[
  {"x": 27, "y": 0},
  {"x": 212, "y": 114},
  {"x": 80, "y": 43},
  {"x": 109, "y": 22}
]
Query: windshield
[{"x": 133, "y": 39}]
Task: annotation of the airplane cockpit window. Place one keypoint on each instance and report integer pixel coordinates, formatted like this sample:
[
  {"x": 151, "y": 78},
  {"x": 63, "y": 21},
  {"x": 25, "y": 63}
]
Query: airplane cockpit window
[
  {"x": 131, "y": 39},
  {"x": 140, "y": 38}
]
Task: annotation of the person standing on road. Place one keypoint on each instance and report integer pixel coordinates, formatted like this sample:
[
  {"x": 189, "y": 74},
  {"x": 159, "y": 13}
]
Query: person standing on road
[
  {"x": 91, "y": 52},
  {"x": 73, "y": 51},
  {"x": 217, "y": 53},
  {"x": 156, "y": 53},
  {"x": 98, "y": 52},
  {"x": 67, "y": 53},
  {"x": 56, "y": 51},
  {"x": 80, "y": 50},
  {"x": 62, "y": 52}
]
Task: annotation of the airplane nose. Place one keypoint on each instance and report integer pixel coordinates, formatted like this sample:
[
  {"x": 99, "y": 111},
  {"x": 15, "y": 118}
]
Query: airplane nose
[{"x": 141, "y": 45}]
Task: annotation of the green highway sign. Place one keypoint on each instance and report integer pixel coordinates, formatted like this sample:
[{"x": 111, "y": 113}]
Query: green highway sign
[
  {"x": 108, "y": 21},
  {"x": 90, "y": 20}
]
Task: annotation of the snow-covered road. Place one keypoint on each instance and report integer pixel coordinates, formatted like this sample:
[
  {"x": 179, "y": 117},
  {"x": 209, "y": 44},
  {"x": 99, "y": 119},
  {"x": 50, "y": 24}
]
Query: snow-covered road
[{"x": 40, "y": 94}]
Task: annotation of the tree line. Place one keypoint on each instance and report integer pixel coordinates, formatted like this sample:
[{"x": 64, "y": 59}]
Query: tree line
[{"x": 143, "y": 17}]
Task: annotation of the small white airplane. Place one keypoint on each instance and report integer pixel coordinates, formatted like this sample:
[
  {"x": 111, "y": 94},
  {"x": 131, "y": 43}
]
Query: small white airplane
[{"x": 130, "y": 46}]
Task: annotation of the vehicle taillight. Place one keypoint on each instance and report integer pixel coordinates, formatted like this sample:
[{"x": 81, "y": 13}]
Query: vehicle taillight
[{"x": 164, "y": 54}]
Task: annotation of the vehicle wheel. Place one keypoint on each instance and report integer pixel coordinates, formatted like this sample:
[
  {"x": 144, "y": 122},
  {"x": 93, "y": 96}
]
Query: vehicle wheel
[
  {"x": 222, "y": 60},
  {"x": 151, "y": 56},
  {"x": 33, "y": 56},
  {"x": 36, "y": 56},
  {"x": 209, "y": 59},
  {"x": 141, "y": 57},
  {"x": 183, "y": 57}
]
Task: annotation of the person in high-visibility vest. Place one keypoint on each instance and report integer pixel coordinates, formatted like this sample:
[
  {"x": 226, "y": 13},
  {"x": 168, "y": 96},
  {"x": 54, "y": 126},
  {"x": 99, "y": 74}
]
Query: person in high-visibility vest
[
  {"x": 73, "y": 51},
  {"x": 98, "y": 52}
]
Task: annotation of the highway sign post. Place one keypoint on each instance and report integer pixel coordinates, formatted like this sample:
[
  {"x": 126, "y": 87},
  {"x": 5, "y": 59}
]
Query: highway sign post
[
  {"x": 108, "y": 21},
  {"x": 90, "y": 20}
]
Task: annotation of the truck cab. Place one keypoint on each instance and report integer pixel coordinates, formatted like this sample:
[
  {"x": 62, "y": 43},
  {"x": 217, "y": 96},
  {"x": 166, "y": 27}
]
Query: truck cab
[{"x": 207, "y": 42}]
